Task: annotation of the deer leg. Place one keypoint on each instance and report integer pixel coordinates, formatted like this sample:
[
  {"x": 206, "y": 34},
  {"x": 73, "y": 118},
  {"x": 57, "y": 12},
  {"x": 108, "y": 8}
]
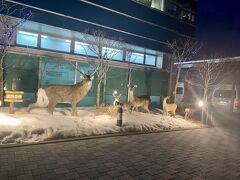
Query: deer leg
[
  {"x": 74, "y": 109},
  {"x": 31, "y": 106},
  {"x": 51, "y": 107},
  {"x": 136, "y": 108},
  {"x": 174, "y": 113},
  {"x": 146, "y": 108}
]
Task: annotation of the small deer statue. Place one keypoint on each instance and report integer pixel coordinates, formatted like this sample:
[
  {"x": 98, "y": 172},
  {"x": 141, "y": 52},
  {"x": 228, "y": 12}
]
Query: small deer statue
[
  {"x": 138, "y": 101},
  {"x": 169, "y": 107},
  {"x": 116, "y": 98},
  {"x": 51, "y": 95},
  {"x": 125, "y": 105}
]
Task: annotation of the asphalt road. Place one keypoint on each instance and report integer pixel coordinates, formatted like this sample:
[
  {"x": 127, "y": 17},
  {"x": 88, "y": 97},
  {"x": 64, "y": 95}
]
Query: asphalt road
[{"x": 210, "y": 153}]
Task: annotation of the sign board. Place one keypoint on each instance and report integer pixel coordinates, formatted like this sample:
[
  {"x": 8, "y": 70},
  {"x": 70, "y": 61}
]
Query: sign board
[{"x": 13, "y": 96}]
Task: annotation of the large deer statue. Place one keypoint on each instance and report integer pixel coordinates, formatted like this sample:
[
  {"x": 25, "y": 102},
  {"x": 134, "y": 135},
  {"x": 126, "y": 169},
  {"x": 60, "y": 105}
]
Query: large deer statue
[
  {"x": 51, "y": 95},
  {"x": 169, "y": 107},
  {"x": 138, "y": 101}
]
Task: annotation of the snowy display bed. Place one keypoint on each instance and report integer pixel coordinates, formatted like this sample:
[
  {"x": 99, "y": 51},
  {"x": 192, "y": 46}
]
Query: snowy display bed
[{"x": 24, "y": 127}]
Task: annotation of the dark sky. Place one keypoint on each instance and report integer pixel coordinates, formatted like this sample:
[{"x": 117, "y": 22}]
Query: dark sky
[{"x": 218, "y": 26}]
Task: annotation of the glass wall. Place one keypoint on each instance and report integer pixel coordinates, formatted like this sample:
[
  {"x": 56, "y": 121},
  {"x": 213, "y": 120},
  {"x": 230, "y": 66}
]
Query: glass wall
[
  {"x": 56, "y": 71},
  {"x": 86, "y": 49},
  {"x": 53, "y": 43},
  {"x": 157, "y": 4},
  {"x": 150, "y": 60},
  {"x": 112, "y": 54},
  {"x": 134, "y": 57},
  {"x": 184, "y": 11},
  {"x": 27, "y": 39},
  {"x": 139, "y": 55}
]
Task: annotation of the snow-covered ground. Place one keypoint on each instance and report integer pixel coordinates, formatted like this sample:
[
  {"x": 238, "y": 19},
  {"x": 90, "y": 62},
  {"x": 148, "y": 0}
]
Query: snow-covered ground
[{"x": 24, "y": 127}]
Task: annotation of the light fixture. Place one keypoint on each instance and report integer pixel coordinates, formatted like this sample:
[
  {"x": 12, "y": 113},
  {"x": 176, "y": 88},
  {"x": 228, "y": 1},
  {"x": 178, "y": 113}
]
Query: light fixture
[
  {"x": 28, "y": 33},
  {"x": 81, "y": 43}
]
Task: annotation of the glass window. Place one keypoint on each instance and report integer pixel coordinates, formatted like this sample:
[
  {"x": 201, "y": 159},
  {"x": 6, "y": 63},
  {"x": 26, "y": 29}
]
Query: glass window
[
  {"x": 223, "y": 93},
  {"x": 27, "y": 38},
  {"x": 85, "y": 49},
  {"x": 53, "y": 43},
  {"x": 111, "y": 53},
  {"x": 171, "y": 8},
  {"x": 150, "y": 60},
  {"x": 56, "y": 72},
  {"x": 135, "y": 57},
  {"x": 159, "y": 61},
  {"x": 145, "y": 2},
  {"x": 158, "y": 4},
  {"x": 179, "y": 90}
]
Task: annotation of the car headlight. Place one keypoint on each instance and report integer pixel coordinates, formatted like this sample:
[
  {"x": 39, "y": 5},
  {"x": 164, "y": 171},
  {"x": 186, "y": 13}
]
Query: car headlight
[{"x": 200, "y": 103}]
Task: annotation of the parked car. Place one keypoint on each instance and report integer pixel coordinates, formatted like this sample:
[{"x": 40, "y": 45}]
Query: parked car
[
  {"x": 180, "y": 93},
  {"x": 226, "y": 98}
]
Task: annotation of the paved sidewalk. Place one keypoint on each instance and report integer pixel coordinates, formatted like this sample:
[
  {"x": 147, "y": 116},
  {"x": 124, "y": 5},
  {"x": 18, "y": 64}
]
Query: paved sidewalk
[{"x": 193, "y": 154}]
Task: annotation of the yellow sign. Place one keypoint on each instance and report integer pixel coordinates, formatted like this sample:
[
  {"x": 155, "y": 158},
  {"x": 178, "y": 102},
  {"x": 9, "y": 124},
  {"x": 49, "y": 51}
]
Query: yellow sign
[{"x": 13, "y": 96}]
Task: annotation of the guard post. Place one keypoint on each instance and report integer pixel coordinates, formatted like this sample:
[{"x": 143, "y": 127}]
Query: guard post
[{"x": 119, "y": 115}]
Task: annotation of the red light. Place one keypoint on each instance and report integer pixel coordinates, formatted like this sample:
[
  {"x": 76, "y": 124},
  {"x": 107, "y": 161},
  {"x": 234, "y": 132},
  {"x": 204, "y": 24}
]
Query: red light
[{"x": 237, "y": 101}]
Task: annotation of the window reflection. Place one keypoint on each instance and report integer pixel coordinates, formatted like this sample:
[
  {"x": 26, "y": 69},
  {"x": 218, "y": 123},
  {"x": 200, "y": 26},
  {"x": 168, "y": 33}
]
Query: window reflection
[
  {"x": 27, "y": 38},
  {"x": 54, "y": 43},
  {"x": 112, "y": 54}
]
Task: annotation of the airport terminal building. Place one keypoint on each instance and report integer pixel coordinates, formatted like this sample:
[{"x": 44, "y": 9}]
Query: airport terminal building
[{"x": 44, "y": 45}]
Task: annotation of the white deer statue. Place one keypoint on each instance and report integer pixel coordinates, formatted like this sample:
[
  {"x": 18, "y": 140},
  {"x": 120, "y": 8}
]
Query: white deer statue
[
  {"x": 169, "y": 107},
  {"x": 51, "y": 95},
  {"x": 116, "y": 98},
  {"x": 138, "y": 101}
]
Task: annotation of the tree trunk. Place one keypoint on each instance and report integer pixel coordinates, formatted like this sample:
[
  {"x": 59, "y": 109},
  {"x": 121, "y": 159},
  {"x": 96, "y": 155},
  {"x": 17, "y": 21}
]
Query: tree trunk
[
  {"x": 175, "y": 88},
  {"x": 129, "y": 82},
  {"x": 170, "y": 86},
  {"x": 104, "y": 88},
  {"x": 205, "y": 104},
  {"x": 98, "y": 93},
  {"x": 1, "y": 86}
]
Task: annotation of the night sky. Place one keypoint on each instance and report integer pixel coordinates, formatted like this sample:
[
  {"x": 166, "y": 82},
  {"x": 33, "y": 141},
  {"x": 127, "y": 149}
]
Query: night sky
[{"x": 218, "y": 27}]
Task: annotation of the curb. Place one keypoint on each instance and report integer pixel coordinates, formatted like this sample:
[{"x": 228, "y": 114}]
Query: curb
[{"x": 98, "y": 137}]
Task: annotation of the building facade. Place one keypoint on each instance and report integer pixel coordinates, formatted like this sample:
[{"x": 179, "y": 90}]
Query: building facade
[{"x": 54, "y": 36}]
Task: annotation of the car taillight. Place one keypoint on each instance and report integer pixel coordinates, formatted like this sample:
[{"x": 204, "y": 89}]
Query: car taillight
[
  {"x": 237, "y": 101},
  {"x": 182, "y": 98}
]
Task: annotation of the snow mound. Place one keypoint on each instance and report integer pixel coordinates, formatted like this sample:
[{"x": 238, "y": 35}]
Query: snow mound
[{"x": 24, "y": 127}]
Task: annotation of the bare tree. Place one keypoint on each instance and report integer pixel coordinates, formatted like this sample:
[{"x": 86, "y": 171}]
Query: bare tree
[
  {"x": 207, "y": 75},
  {"x": 47, "y": 66},
  {"x": 8, "y": 26},
  {"x": 131, "y": 60},
  {"x": 98, "y": 45},
  {"x": 181, "y": 51}
]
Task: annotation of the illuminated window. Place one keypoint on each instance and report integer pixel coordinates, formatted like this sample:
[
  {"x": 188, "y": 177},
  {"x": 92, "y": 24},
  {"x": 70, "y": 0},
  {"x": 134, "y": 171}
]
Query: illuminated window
[
  {"x": 134, "y": 57},
  {"x": 158, "y": 4},
  {"x": 53, "y": 43},
  {"x": 150, "y": 60},
  {"x": 159, "y": 61},
  {"x": 27, "y": 38},
  {"x": 86, "y": 49},
  {"x": 112, "y": 54},
  {"x": 145, "y": 2}
]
